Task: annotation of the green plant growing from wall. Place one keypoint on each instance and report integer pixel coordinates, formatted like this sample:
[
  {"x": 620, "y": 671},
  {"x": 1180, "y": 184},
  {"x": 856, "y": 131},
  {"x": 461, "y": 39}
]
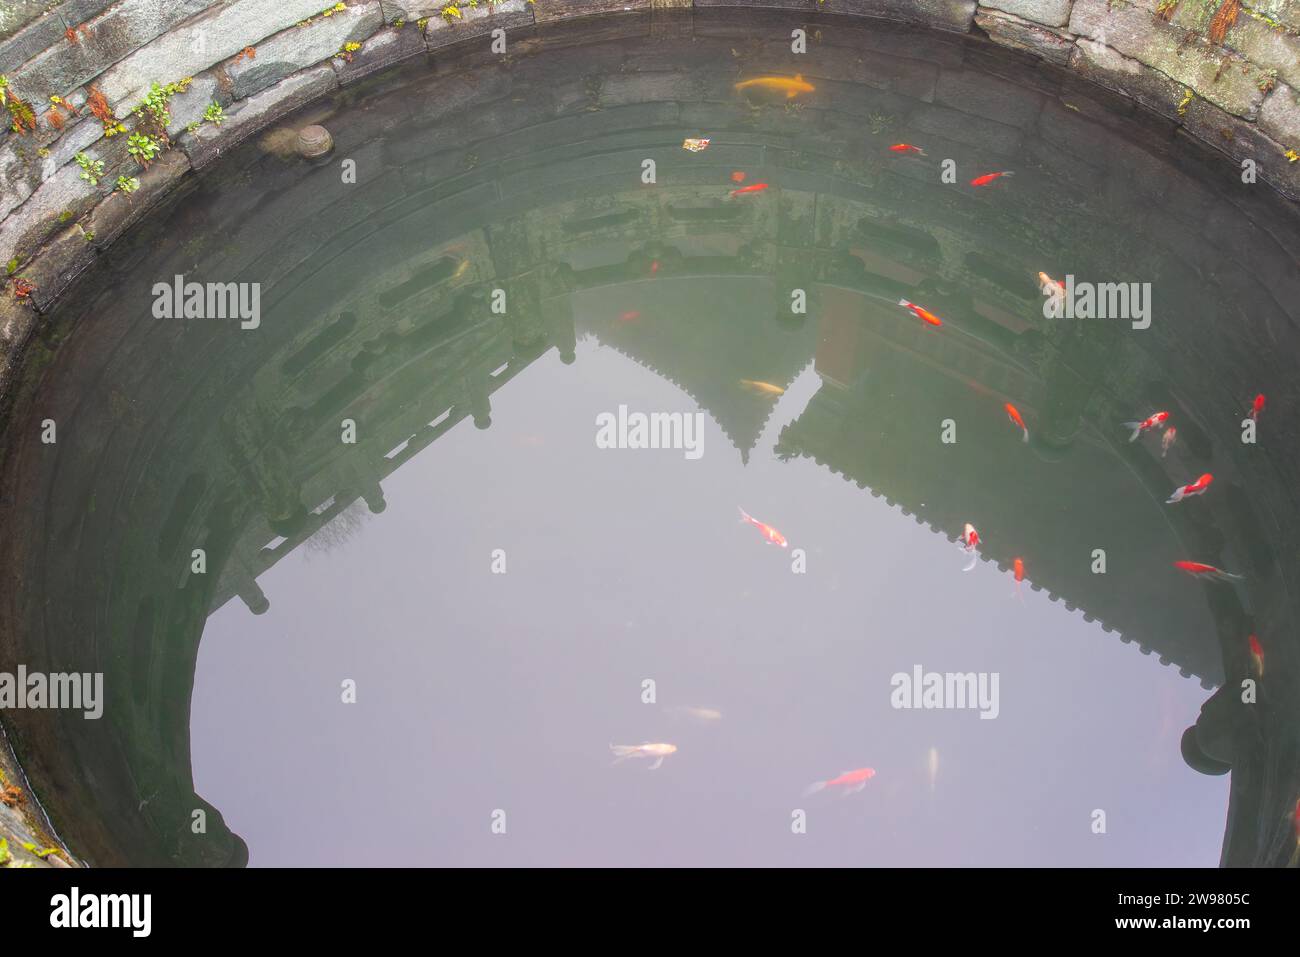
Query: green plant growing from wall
[
  {"x": 155, "y": 109},
  {"x": 143, "y": 147},
  {"x": 214, "y": 114},
  {"x": 91, "y": 169},
  {"x": 127, "y": 184}
]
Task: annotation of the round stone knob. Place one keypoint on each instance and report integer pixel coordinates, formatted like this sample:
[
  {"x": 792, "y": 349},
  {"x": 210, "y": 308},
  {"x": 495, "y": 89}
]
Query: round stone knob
[{"x": 314, "y": 142}]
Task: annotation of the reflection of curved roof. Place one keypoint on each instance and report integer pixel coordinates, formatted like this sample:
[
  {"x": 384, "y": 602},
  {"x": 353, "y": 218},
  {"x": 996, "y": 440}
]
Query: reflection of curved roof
[
  {"x": 883, "y": 432},
  {"x": 693, "y": 340}
]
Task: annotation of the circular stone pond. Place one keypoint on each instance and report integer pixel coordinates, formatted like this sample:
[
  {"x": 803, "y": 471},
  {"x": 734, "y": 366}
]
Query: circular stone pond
[{"x": 376, "y": 567}]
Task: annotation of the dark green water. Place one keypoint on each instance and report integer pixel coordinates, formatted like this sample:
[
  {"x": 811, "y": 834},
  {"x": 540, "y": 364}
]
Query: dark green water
[{"x": 378, "y": 562}]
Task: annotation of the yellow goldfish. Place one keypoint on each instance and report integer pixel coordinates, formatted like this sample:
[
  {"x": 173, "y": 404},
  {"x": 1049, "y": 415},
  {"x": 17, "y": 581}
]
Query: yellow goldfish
[
  {"x": 762, "y": 388},
  {"x": 777, "y": 84}
]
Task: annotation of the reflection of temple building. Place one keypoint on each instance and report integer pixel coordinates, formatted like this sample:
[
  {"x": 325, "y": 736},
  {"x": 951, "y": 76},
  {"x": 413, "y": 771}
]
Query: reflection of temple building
[{"x": 888, "y": 386}]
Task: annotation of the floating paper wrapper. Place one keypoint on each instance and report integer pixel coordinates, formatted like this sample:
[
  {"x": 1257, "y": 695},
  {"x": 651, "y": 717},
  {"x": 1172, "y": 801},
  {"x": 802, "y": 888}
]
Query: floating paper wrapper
[{"x": 694, "y": 145}]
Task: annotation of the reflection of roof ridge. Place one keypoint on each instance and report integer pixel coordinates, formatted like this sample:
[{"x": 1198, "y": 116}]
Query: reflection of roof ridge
[
  {"x": 713, "y": 415},
  {"x": 1069, "y": 605}
]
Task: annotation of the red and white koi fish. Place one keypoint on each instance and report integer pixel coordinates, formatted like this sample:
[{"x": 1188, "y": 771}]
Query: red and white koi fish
[
  {"x": 1208, "y": 572},
  {"x": 751, "y": 188},
  {"x": 850, "y": 781},
  {"x": 1171, "y": 436},
  {"x": 923, "y": 314},
  {"x": 657, "y": 751},
  {"x": 1154, "y": 420},
  {"x": 989, "y": 177},
  {"x": 769, "y": 533},
  {"x": 1196, "y": 488},
  {"x": 1256, "y": 654},
  {"x": 970, "y": 542},
  {"x": 1049, "y": 286},
  {"x": 1257, "y": 407},
  {"x": 1014, "y": 415},
  {"x": 906, "y": 148}
]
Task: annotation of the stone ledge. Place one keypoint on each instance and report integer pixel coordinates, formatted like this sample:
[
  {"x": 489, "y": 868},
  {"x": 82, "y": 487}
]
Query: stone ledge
[
  {"x": 476, "y": 22},
  {"x": 298, "y": 47},
  {"x": 388, "y": 46},
  {"x": 207, "y": 142},
  {"x": 1048, "y": 13},
  {"x": 1187, "y": 58},
  {"x": 1016, "y": 33}
]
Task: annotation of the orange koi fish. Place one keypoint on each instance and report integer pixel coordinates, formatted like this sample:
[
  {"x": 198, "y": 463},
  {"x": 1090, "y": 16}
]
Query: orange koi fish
[
  {"x": 777, "y": 84},
  {"x": 762, "y": 388},
  {"x": 1196, "y": 488},
  {"x": 654, "y": 267},
  {"x": 923, "y": 314},
  {"x": 850, "y": 781},
  {"x": 657, "y": 751},
  {"x": 1208, "y": 572},
  {"x": 1018, "y": 571},
  {"x": 1171, "y": 436},
  {"x": 630, "y": 316},
  {"x": 989, "y": 177},
  {"x": 738, "y": 177},
  {"x": 1014, "y": 415},
  {"x": 1257, "y": 407},
  {"x": 1256, "y": 654},
  {"x": 751, "y": 188},
  {"x": 906, "y": 148},
  {"x": 1150, "y": 422},
  {"x": 769, "y": 533}
]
